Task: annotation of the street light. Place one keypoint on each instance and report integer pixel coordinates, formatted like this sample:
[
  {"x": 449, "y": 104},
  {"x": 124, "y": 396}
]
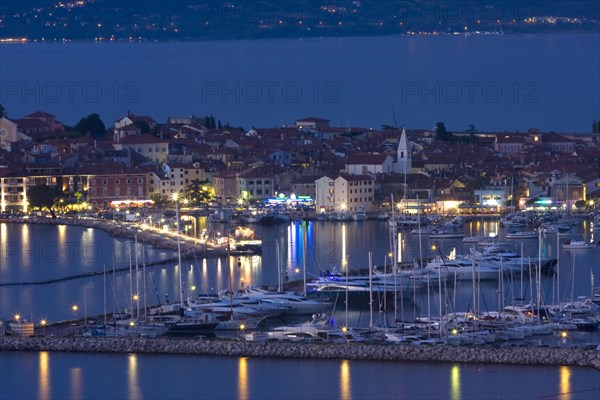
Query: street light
[
  {"x": 175, "y": 197},
  {"x": 43, "y": 324},
  {"x": 17, "y": 317}
]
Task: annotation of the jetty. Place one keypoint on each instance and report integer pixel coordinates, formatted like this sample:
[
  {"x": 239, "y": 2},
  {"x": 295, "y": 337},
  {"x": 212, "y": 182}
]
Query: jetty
[{"x": 299, "y": 350}]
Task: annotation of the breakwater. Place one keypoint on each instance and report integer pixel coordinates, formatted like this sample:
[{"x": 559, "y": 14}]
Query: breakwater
[{"x": 348, "y": 351}]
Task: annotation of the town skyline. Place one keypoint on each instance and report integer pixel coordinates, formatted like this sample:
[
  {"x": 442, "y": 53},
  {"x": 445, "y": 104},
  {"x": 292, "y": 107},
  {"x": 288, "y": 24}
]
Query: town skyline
[{"x": 138, "y": 158}]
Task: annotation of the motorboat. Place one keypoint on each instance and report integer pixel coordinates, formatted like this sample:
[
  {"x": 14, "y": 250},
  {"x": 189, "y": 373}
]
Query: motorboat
[
  {"x": 577, "y": 245},
  {"x": 359, "y": 214},
  {"x": 522, "y": 235}
]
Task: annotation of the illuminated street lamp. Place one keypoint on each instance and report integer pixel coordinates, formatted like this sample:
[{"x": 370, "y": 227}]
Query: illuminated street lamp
[
  {"x": 43, "y": 324},
  {"x": 17, "y": 317}
]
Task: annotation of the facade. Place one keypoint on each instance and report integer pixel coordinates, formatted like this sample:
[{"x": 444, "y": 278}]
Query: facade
[
  {"x": 361, "y": 164},
  {"x": 494, "y": 197},
  {"x": 256, "y": 184},
  {"x": 345, "y": 193},
  {"x": 149, "y": 146},
  {"x": 117, "y": 186},
  {"x": 13, "y": 193},
  {"x": 180, "y": 175},
  {"x": 226, "y": 187}
]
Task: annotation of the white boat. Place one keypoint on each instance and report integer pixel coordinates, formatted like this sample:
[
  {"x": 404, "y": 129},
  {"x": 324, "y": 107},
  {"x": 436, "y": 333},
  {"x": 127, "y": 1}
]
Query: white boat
[
  {"x": 446, "y": 232},
  {"x": 359, "y": 214},
  {"x": 461, "y": 269},
  {"x": 522, "y": 235},
  {"x": 474, "y": 239},
  {"x": 577, "y": 245},
  {"x": 382, "y": 216},
  {"x": 344, "y": 216},
  {"x": 294, "y": 304}
]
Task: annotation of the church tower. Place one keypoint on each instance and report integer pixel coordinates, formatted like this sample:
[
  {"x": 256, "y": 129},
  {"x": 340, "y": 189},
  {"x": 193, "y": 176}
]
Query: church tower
[{"x": 403, "y": 155}]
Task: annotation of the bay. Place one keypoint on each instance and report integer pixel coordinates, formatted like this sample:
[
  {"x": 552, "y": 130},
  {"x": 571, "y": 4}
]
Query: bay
[
  {"x": 47, "y": 375},
  {"x": 32, "y": 253},
  {"x": 494, "y": 82}
]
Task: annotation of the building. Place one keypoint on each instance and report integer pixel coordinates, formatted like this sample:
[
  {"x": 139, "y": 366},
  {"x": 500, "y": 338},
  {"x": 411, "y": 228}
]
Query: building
[
  {"x": 117, "y": 183},
  {"x": 361, "y": 164},
  {"x": 180, "y": 176},
  {"x": 312, "y": 123},
  {"x": 344, "y": 193},
  {"x": 149, "y": 146}
]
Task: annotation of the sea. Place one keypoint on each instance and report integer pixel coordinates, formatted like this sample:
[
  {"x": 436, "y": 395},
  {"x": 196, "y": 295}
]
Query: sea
[
  {"x": 37, "y": 253},
  {"x": 494, "y": 82}
]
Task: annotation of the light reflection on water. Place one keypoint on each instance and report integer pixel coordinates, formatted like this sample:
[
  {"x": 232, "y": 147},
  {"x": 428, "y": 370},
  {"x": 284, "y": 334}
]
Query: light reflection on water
[
  {"x": 455, "y": 393},
  {"x": 134, "y": 391},
  {"x": 345, "y": 380},
  {"x": 44, "y": 376},
  {"x": 565, "y": 383},
  {"x": 118, "y": 376},
  {"x": 243, "y": 389},
  {"x": 329, "y": 243}
]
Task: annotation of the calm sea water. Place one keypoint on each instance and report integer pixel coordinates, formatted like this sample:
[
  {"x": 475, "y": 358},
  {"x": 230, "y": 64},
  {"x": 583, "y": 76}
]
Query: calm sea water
[
  {"x": 58, "y": 375},
  {"x": 47, "y": 375},
  {"x": 34, "y": 253},
  {"x": 493, "y": 82}
]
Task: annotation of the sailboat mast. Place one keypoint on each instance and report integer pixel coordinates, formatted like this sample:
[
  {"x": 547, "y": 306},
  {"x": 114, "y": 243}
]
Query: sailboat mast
[
  {"x": 137, "y": 281},
  {"x": 370, "y": 290},
  {"x": 180, "y": 267}
]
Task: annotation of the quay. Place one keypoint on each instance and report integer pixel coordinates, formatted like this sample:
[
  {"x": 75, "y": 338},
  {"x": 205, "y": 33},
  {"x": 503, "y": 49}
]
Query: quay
[
  {"x": 349, "y": 351},
  {"x": 157, "y": 239}
]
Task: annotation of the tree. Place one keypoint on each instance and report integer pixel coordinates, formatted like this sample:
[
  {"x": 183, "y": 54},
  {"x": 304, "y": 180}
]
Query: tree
[
  {"x": 42, "y": 196},
  {"x": 2, "y": 111},
  {"x": 198, "y": 193},
  {"x": 159, "y": 201},
  {"x": 596, "y": 127},
  {"x": 91, "y": 124},
  {"x": 442, "y": 133},
  {"x": 143, "y": 125}
]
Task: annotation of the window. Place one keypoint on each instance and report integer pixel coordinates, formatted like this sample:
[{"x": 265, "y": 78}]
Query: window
[
  {"x": 140, "y": 181},
  {"x": 128, "y": 181},
  {"x": 117, "y": 181}
]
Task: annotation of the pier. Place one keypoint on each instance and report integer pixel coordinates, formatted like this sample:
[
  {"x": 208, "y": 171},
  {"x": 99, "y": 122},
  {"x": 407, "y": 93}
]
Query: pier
[{"x": 349, "y": 351}]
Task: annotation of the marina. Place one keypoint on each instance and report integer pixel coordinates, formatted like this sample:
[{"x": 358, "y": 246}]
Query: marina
[{"x": 424, "y": 305}]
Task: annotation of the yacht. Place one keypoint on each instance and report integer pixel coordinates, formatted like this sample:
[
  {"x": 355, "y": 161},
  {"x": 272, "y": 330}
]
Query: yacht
[
  {"x": 359, "y": 214},
  {"x": 577, "y": 245}
]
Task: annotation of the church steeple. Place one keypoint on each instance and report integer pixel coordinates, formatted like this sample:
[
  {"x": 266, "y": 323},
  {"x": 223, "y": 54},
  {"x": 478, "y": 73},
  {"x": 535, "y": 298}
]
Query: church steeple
[{"x": 403, "y": 154}]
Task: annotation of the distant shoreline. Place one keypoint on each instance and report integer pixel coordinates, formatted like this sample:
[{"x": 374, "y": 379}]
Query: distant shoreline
[{"x": 271, "y": 38}]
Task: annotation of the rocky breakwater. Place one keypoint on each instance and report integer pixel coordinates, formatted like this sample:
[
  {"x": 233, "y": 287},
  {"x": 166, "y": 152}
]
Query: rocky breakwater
[{"x": 349, "y": 351}]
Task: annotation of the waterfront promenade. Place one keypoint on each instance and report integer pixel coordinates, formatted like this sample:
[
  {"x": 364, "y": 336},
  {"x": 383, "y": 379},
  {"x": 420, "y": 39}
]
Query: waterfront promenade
[{"x": 349, "y": 351}]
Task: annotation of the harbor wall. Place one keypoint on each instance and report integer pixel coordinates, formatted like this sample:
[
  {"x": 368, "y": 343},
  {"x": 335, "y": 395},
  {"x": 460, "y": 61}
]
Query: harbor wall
[{"x": 349, "y": 351}]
